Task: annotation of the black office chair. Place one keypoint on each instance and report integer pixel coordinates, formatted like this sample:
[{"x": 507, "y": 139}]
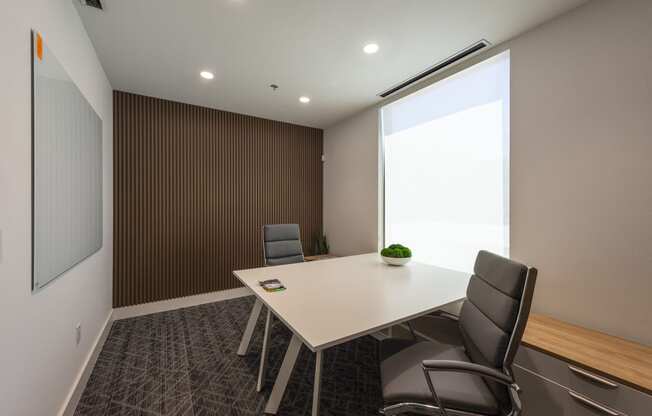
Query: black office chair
[
  {"x": 282, "y": 244},
  {"x": 468, "y": 370}
]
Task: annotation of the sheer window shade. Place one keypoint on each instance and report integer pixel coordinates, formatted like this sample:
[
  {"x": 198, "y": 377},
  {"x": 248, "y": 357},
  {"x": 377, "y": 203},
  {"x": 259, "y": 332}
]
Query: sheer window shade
[{"x": 446, "y": 169}]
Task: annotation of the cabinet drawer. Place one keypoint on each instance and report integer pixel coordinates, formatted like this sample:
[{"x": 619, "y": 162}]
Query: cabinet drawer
[
  {"x": 540, "y": 397},
  {"x": 571, "y": 376},
  {"x": 580, "y": 405},
  {"x": 586, "y": 383}
]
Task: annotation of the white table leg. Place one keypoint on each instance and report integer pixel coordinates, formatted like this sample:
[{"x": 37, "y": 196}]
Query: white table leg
[
  {"x": 249, "y": 330},
  {"x": 317, "y": 387},
  {"x": 283, "y": 376},
  {"x": 263, "y": 354}
]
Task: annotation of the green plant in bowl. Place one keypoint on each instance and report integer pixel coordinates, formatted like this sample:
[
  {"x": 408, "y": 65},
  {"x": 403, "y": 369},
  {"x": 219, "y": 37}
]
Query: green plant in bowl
[{"x": 396, "y": 255}]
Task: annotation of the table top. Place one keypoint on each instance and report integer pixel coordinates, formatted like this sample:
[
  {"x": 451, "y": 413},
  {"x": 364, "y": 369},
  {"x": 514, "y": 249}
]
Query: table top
[
  {"x": 615, "y": 358},
  {"x": 332, "y": 301}
]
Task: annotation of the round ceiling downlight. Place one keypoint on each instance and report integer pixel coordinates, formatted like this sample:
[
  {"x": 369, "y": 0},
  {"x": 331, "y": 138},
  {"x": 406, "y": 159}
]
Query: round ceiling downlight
[
  {"x": 304, "y": 99},
  {"x": 371, "y": 48},
  {"x": 207, "y": 75}
]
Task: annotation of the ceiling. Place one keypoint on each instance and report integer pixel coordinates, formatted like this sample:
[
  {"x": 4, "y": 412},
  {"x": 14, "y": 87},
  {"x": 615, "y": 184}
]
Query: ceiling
[{"x": 307, "y": 47}]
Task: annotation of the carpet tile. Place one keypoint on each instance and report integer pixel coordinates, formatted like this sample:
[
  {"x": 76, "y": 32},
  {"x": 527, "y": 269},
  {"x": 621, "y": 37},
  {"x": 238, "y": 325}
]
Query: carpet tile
[{"x": 184, "y": 363}]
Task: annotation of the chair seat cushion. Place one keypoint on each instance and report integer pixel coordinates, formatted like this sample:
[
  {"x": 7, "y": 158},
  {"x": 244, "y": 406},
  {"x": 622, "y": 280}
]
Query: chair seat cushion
[{"x": 403, "y": 379}]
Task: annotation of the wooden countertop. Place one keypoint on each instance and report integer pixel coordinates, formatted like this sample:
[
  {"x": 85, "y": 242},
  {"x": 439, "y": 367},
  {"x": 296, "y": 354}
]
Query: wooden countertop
[
  {"x": 621, "y": 360},
  {"x": 319, "y": 257}
]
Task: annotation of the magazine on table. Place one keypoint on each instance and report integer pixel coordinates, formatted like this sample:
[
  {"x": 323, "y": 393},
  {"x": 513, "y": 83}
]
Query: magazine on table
[{"x": 272, "y": 285}]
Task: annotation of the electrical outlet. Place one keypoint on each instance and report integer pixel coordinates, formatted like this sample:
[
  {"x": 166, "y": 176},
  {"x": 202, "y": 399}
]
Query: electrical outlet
[{"x": 78, "y": 333}]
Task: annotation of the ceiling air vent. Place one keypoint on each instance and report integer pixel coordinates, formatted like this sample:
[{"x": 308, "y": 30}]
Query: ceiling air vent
[
  {"x": 438, "y": 67},
  {"x": 92, "y": 3}
]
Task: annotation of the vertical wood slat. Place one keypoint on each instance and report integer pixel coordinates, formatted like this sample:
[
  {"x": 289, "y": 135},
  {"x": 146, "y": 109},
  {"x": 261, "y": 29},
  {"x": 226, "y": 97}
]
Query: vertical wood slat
[{"x": 193, "y": 187}]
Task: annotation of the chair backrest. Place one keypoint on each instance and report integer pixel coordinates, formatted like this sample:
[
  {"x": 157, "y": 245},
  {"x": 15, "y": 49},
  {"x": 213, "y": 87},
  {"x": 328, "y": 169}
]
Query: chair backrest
[
  {"x": 495, "y": 312},
  {"x": 282, "y": 244}
]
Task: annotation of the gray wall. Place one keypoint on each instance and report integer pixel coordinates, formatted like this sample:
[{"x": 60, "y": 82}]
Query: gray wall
[
  {"x": 39, "y": 357},
  {"x": 581, "y": 176},
  {"x": 351, "y": 212}
]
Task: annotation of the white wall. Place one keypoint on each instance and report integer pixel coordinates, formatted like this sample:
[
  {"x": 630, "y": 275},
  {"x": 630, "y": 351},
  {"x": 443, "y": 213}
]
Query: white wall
[
  {"x": 39, "y": 359},
  {"x": 581, "y": 175}
]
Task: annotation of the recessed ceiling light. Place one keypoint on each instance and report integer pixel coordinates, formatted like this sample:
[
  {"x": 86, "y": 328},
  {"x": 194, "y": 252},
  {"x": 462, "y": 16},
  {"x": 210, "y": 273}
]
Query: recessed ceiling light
[
  {"x": 207, "y": 75},
  {"x": 371, "y": 48},
  {"x": 304, "y": 99}
]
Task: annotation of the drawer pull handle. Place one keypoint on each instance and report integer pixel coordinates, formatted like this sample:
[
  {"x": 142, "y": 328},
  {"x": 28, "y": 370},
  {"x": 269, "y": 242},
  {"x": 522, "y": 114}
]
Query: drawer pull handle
[
  {"x": 593, "y": 404},
  {"x": 593, "y": 377}
]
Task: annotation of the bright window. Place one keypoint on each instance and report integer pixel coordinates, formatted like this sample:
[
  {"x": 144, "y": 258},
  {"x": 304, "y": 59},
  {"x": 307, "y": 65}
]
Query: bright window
[{"x": 446, "y": 150}]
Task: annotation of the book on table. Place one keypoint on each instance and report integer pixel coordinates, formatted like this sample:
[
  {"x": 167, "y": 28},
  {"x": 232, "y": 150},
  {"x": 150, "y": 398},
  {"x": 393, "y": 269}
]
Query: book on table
[{"x": 272, "y": 285}]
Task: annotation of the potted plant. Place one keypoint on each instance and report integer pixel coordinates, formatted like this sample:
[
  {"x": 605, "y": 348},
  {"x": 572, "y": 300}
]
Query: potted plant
[
  {"x": 396, "y": 255},
  {"x": 321, "y": 245}
]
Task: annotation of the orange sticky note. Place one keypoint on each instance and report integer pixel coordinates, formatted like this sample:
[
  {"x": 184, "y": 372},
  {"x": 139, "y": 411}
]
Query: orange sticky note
[{"x": 39, "y": 46}]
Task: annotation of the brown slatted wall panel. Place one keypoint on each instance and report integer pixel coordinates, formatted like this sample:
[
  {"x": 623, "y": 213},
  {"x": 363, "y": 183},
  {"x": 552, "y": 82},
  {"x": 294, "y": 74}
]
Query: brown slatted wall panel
[{"x": 193, "y": 187}]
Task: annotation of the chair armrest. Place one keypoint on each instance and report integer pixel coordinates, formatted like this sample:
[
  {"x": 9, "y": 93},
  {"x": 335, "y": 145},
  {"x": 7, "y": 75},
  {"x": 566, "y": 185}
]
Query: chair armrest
[
  {"x": 471, "y": 368},
  {"x": 442, "y": 314}
]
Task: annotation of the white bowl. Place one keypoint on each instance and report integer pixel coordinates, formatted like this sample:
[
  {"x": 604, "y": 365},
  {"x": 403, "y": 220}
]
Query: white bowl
[{"x": 395, "y": 261}]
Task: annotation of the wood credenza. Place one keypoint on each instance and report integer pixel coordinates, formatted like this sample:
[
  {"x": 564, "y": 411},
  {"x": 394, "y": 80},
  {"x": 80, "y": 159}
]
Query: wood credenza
[
  {"x": 319, "y": 257},
  {"x": 567, "y": 370}
]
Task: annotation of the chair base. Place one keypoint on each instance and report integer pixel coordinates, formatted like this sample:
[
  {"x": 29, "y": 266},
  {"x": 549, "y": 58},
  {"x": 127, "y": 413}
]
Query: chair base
[{"x": 421, "y": 409}]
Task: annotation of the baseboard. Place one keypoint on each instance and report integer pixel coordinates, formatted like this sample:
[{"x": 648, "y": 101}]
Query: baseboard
[
  {"x": 69, "y": 406},
  {"x": 379, "y": 336},
  {"x": 418, "y": 334},
  {"x": 178, "y": 303}
]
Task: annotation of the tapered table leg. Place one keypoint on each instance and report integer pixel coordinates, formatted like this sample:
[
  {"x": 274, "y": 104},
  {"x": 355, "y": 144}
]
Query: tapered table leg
[
  {"x": 249, "y": 330},
  {"x": 263, "y": 355},
  {"x": 317, "y": 386},
  {"x": 283, "y": 376}
]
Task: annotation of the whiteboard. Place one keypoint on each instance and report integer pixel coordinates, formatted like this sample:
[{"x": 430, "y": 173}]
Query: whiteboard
[{"x": 66, "y": 170}]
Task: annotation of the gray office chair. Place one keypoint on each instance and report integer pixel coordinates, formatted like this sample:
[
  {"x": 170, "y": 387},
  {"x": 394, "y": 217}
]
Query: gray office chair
[
  {"x": 468, "y": 370},
  {"x": 282, "y": 244}
]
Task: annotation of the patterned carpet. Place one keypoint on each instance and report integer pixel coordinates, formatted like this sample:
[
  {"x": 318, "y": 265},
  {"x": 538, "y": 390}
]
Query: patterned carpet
[{"x": 184, "y": 363}]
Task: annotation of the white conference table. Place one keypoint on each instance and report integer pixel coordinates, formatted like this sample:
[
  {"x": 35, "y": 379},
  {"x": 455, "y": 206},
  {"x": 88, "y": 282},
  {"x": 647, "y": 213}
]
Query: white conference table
[{"x": 329, "y": 302}]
